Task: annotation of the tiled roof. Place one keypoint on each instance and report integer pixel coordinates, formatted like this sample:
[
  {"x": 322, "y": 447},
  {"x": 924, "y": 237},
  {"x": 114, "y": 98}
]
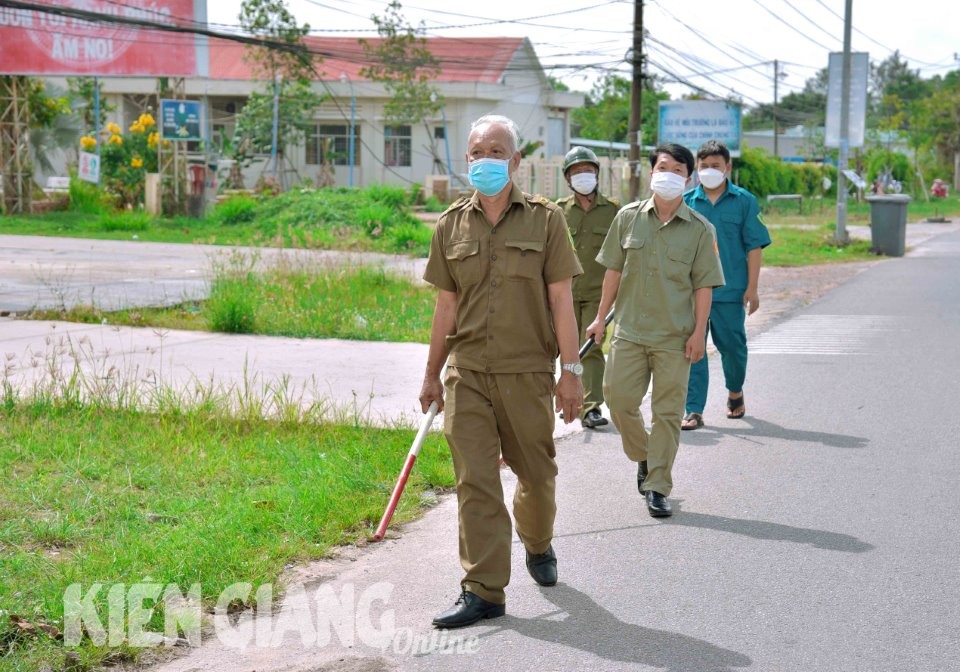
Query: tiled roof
[{"x": 462, "y": 59}]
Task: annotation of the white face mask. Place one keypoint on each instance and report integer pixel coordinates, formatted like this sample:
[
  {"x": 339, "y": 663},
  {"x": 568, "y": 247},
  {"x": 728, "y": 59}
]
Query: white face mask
[
  {"x": 583, "y": 183},
  {"x": 667, "y": 186},
  {"x": 711, "y": 178}
]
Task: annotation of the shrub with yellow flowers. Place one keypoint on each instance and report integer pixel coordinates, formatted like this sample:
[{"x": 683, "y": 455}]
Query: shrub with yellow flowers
[{"x": 126, "y": 158}]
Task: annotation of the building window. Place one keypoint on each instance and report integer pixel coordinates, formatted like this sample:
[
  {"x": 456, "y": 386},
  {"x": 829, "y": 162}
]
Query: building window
[
  {"x": 439, "y": 133},
  {"x": 396, "y": 146},
  {"x": 330, "y": 143}
]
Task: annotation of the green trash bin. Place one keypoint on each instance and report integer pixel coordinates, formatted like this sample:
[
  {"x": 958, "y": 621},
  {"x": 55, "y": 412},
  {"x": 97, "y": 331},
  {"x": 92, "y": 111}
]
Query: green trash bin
[{"x": 888, "y": 223}]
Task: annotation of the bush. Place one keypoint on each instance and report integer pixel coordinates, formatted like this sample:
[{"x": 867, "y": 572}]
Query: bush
[
  {"x": 434, "y": 204},
  {"x": 85, "y": 197},
  {"x": 389, "y": 195},
  {"x": 414, "y": 238},
  {"x": 234, "y": 210},
  {"x": 376, "y": 218}
]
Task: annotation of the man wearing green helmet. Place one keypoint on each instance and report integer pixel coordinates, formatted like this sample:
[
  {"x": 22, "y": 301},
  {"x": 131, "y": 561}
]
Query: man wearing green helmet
[{"x": 588, "y": 214}]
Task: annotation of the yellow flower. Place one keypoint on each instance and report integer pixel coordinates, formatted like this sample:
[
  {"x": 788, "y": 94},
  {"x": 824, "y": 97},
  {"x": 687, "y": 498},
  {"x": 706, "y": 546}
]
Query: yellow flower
[
  {"x": 137, "y": 127},
  {"x": 152, "y": 140},
  {"x": 166, "y": 143},
  {"x": 113, "y": 129},
  {"x": 136, "y": 162},
  {"x": 146, "y": 120},
  {"x": 115, "y": 140},
  {"x": 87, "y": 143}
]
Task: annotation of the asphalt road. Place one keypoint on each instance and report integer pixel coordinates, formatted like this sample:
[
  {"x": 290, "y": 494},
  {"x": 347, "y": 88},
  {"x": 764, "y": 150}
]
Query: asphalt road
[{"x": 820, "y": 533}]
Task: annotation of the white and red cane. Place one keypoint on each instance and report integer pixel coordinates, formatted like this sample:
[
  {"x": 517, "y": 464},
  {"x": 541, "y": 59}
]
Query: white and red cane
[{"x": 405, "y": 472}]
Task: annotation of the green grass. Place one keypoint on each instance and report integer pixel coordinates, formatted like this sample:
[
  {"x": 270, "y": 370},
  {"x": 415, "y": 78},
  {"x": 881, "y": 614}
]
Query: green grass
[
  {"x": 374, "y": 219},
  {"x": 98, "y": 494},
  {"x": 361, "y": 303}
]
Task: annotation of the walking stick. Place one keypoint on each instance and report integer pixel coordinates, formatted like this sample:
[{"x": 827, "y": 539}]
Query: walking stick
[
  {"x": 405, "y": 472},
  {"x": 585, "y": 348}
]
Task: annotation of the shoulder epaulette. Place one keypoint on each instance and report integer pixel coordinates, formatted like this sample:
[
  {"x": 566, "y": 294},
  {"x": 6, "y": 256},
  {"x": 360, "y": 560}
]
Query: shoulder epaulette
[
  {"x": 537, "y": 198},
  {"x": 615, "y": 202},
  {"x": 457, "y": 204}
]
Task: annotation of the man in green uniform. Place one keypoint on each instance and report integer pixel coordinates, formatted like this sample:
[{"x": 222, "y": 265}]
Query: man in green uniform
[
  {"x": 662, "y": 265},
  {"x": 503, "y": 263},
  {"x": 588, "y": 213}
]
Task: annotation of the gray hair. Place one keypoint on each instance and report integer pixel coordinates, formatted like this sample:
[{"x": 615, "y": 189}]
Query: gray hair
[{"x": 500, "y": 120}]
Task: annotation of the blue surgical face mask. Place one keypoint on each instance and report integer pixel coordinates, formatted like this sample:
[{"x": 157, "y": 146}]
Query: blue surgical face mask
[{"x": 489, "y": 176}]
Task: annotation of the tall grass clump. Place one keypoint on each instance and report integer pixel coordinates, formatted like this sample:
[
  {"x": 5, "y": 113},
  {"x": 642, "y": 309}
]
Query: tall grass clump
[
  {"x": 138, "y": 220},
  {"x": 85, "y": 197},
  {"x": 235, "y": 210},
  {"x": 233, "y": 302}
]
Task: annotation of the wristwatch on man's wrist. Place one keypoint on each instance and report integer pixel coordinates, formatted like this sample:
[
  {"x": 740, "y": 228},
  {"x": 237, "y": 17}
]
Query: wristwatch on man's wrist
[{"x": 576, "y": 368}]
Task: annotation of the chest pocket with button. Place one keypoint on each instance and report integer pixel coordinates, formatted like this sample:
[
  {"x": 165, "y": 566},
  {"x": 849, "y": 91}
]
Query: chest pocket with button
[
  {"x": 598, "y": 236},
  {"x": 463, "y": 258},
  {"x": 679, "y": 260},
  {"x": 524, "y": 259}
]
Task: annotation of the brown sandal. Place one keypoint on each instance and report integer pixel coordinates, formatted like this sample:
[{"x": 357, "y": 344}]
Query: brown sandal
[
  {"x": 736, "y": 408},
  {"x": 691, "y": 421}
]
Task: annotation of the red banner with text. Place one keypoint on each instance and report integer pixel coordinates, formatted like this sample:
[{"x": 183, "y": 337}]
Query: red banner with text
[{"x": 34, "y": 42}]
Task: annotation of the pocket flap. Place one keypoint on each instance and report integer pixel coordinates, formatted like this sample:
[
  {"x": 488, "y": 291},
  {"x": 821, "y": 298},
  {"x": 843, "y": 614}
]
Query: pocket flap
[
  {"x": 462, "y": 249},
  {"x": 634, "y": 243},
  {"x": 681, "y": 254},
  {"x": 525, "y": 245}
]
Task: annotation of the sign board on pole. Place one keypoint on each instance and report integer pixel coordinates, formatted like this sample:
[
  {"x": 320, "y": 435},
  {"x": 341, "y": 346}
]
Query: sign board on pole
[
  {"x": 89, "y": 167},
  {"x": 859, "y": 69},
  {"x": 692, "y": 122},
  {"x": 181, "y": 120},
  {"x": 34, "y": 42}
]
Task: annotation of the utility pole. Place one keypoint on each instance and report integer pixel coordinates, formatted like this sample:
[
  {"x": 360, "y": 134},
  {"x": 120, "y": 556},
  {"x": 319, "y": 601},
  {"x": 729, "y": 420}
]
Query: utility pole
[
  {"x": 842, "y": 238},
  {"x": 776, "y": 131},
  {"x": 636, "y": 99}
]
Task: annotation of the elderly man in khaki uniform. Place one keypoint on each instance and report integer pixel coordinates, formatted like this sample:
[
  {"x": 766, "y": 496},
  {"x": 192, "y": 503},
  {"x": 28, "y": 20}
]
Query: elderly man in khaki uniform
[
  {"x": 503, "y": 263},
  {"x": 588, "y": 213},
  {"x": 662, "y": 265}
]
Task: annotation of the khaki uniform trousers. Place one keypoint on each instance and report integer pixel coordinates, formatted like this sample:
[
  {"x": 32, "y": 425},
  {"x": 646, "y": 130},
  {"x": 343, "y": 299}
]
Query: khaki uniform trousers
[
  {"x": 629, "y": 371},
  {"x": 593, "y": 362},
  {"x": 487, "y": 415}
]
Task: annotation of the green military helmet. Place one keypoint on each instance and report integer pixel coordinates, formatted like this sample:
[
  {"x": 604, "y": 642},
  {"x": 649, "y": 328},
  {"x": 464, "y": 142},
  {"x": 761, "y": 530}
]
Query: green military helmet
[{"x": 579, "y": 155}]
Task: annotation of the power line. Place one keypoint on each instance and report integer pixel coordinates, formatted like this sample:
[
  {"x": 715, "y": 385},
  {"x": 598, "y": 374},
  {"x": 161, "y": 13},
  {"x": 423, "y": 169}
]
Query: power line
[{"x": 790, "y": 25}]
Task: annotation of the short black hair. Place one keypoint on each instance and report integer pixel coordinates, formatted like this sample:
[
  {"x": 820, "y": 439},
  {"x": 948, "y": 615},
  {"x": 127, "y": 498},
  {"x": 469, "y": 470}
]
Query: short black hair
[
  {"x": 677, "y": 152},
  {"x": 714, "y": 148}
]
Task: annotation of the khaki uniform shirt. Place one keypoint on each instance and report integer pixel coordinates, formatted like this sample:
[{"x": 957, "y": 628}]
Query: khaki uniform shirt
[
  {"x": 661, "y": 266},
  {"x": 501, "y": 273},
  {"x": 588, "y": 228}
]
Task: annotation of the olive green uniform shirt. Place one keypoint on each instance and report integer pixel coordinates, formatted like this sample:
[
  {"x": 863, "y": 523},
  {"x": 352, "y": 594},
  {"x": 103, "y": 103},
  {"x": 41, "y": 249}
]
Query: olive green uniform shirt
[
  {"x": 661, "y": 266},
  {"x": 588, "y": 228},
  {"x": 504, "y": 323}
]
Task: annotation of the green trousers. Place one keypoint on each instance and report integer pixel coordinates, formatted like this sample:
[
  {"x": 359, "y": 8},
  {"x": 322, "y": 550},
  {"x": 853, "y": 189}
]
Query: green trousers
[
  {"x": 593, "y": 362},
  {"x": 630, "y": 369}
]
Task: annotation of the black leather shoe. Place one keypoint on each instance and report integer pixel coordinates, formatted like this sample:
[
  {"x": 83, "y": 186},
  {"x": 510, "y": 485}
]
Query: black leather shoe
[
  {"x": 657, "y": 505},
  {"x": 641, "y": 474},
  {"x": 593, "y": 419},
  {"x": 543, "y": 567},
  {"x": 467, "y": 610}
]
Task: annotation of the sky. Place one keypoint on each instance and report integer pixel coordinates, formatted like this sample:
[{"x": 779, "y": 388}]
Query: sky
[{"x": 721, "y": 47}]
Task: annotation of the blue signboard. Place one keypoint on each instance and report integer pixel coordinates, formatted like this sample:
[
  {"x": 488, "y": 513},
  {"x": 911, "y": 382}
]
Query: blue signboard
[
  {"x": 692, "y": 122},
  {"x": 181, "y": 120}
]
